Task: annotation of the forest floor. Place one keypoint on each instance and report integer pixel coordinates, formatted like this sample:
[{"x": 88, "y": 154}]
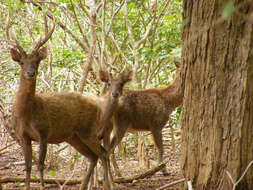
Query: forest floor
[{"x": 12, "y": 165}]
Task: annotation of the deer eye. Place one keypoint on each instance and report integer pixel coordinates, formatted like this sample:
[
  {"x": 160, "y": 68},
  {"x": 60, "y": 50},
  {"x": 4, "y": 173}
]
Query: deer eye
[
  {"x": 109, "y": 84},
  {"x": 21, "y": 63}
]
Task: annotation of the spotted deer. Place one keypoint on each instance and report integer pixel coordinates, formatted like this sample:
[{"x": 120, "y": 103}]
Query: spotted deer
[{"x": 139, "y": 110}]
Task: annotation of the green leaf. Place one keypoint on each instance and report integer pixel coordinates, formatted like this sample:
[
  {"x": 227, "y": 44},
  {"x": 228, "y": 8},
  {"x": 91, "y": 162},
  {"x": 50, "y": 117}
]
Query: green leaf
[
  {"x": 121, "y": 151},
  {"x": 35, "y": 177},
  {"x": 52, "y": 173},
  {"x": 228, "y": 10},
  {"x": 79, "y": 157},
  {"x": 17, "y": 184},
  {"x": 118, "y": 53}
]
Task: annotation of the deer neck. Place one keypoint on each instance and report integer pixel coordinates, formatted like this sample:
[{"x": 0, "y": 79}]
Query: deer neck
[
  {"x": 25, "y": 96},
  {"x": 173, "y": 93},
  {"x": 108, "y": 110},
  {"x": 110, "y": 106}
]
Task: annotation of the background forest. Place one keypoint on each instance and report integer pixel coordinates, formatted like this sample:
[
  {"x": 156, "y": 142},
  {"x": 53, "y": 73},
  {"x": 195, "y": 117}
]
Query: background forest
[{"x": 144, "y": 36}]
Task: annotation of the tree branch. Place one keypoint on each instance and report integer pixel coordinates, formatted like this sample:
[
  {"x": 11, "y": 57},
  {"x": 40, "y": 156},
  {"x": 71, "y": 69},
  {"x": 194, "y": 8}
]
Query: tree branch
[
  {"x": 92, "y": 45},
  {"x": 77, "y": 21},
  {"x": 129, "y": 26},
  {"x": 172, "y": 183},
  {"x": 113, "y": 16},
  {"x": 141, "y": 176},
  {"x": 138, "y": 43},
  {"x": 50, "y": 15},
  {"x": 37, "y": 180}
]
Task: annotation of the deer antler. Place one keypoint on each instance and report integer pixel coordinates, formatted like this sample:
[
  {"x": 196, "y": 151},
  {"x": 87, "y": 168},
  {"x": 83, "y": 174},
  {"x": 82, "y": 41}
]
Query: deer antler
[
  {"x": 47, "y": 37},
  {"x": 21, "y": 50}
]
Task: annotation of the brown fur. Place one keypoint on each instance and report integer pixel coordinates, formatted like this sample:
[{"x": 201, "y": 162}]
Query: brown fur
[
  {"x": 144, "y": 110},
  {"x": 55, "y": 118},
  {"x": 59, "y": 115}
]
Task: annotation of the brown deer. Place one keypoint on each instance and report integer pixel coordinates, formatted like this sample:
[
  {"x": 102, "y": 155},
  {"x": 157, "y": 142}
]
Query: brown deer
[
  {"x": 110, "y": 101},
  {"x": 139, "y": 110},
  {"x": 54, "y": 117}
]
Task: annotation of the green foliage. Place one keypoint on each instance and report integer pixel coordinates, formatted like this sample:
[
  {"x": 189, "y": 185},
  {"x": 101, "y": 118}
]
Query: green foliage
[
  {"x": 64, "y": 69},
  {"x": 35, "y": 177},
  {"x": 53, "y": 173},
  {"x": 228, "y": 9},
  {"x": 122, "y": 152},
  {"x": 79, "y": 157},
  {"x": 178, "y": 112},
  {"x": 17, "y": 184}
]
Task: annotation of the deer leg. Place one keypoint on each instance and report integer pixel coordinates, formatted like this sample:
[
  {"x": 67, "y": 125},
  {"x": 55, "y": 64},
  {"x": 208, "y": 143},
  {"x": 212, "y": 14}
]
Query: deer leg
[
  {"x": 119, "y": 132},
  {"x": 93, "y": 162},
  {"x": 159, "y": 144},
  {"x": 104, "y": 156},
  {"x": 27, "y": 147},
  {"x": 106, "y": 143},
  {"x": 42, "y": 157},
  {"x": 106, "y": 138},
  {"x": 84, "y": 150},
  {"x": 94, "y": 145},
  {"x": 115, "y": 165},
  {"x": 107, "y": 173}
]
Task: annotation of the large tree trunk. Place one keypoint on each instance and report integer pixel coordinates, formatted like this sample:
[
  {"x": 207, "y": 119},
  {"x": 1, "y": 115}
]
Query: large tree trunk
[{"x": 217, "y": 116}]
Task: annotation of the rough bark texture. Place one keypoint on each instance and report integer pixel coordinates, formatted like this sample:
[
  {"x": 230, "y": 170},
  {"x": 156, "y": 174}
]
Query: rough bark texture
[{"x": 217, "y": 116}]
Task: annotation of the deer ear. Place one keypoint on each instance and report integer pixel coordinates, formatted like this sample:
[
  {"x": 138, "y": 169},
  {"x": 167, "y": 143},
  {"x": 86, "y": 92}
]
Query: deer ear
[
  {"x": 128, "y": 76},
  {"x": 177, "y": 64},
  {"x": 15, "y": 55},
  {"x": 43, "y": 53},
  {"x": 103, "y": 76}
]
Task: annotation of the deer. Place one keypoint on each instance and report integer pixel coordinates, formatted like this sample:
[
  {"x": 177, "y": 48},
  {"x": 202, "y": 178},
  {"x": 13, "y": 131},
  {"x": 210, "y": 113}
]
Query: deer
[
  {"x": 53, "y": 117},
  {"x": 107, "y": 106},
  {"x": 139, "y": 110}
]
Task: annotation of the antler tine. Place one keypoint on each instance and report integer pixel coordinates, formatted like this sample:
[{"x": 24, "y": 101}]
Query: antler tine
[
  {"x": 47, "y": 37},
  {"x": 21, "y": 50}
]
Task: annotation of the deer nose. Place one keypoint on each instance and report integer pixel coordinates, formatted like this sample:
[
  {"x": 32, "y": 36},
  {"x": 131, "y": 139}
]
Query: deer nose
[
  {"x": 30, "y": 73},
  {"x": 115, "y": 94}
]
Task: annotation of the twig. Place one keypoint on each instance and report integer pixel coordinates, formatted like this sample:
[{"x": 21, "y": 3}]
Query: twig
[
  {"x": 242, "y": 176},
  {"x": 112, "y": 19},
  {"x": 58, "y": 151},
  {"x": 70, "y": 177},
  {"x": 172, "y": 183},
  {"x": 6, "y": 147},
  {"x": 141, "y": 176},
  {"x": 64, "y": 27},
  {"x": 78, "y": 23},
  {"x": 92, "y": 45}
]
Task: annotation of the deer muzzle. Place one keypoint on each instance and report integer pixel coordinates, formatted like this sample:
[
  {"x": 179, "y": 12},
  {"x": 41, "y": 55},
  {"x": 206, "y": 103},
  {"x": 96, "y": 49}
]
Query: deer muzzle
[
  {"x": 115, "y": 94},
  {"x": 30, "y": 73}
]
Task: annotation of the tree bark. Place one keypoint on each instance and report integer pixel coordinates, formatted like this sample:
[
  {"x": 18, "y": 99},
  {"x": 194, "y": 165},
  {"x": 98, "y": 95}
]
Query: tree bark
[{"x": 217, "y": 75}]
